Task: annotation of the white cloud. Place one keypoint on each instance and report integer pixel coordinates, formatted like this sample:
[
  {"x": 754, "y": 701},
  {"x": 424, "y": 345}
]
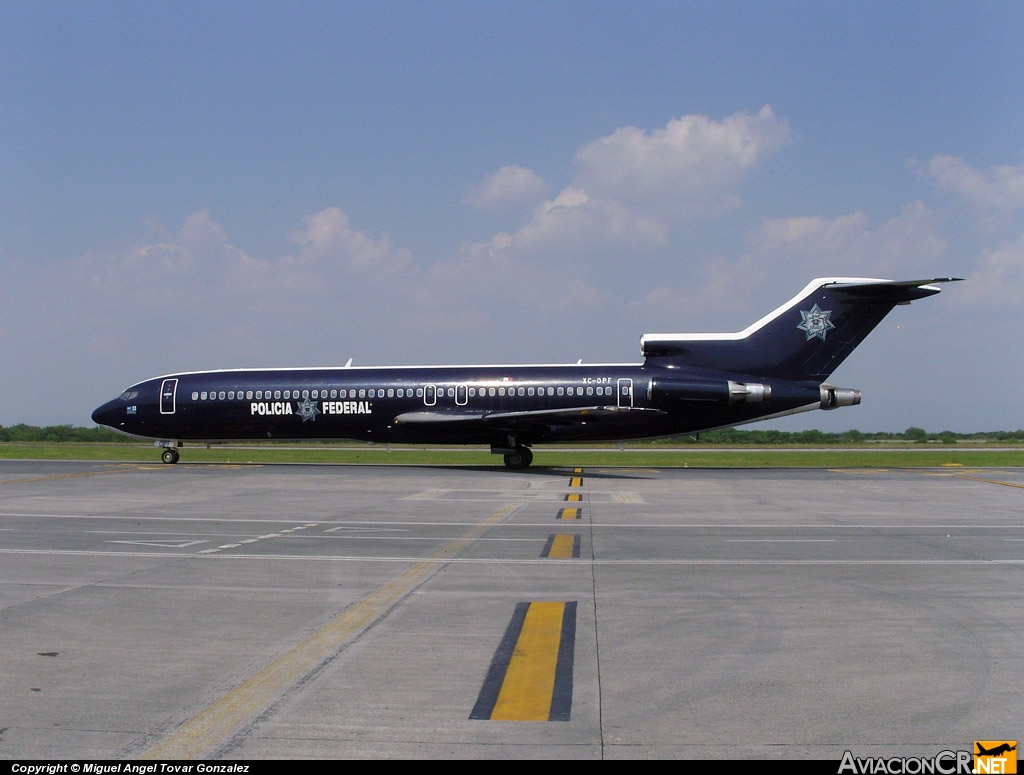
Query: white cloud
[
  {"x": 633, "y": 185},
  {"x": 158, "y": 276},
  {"x": 685, "y": 170},
  {"x": 998, "y": 278},
  {"x": 200, "y": 230},
  {"x": 786, "y": 253},
  {"x": 907, "y": 244},
  {"x": 191, "y": 299},
  {"x": 511, "y": 186},
  {"x": 510, "y": 286},
  {"x": 575, "y": 224},
  {"x": 999, "y": 188},
  {"x": 201, "y": 301},
  {"x": 330, "y": 239}
]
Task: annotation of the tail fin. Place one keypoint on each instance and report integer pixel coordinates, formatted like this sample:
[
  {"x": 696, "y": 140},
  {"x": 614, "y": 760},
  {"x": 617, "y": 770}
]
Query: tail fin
[{"x": 805, "y": 339}]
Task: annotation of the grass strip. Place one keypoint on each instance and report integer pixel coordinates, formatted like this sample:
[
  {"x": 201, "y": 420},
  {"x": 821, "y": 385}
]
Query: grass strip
[{"x": 653, "y": 456}]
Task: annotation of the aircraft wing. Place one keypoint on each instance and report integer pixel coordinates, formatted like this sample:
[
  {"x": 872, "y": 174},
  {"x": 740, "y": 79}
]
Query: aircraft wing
[{"x": 523, "y": 419}]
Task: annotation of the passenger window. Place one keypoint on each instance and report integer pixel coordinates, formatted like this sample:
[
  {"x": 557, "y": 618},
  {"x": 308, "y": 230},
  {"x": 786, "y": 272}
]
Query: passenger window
[
  {"x": 195, "y": 396},
  {"x": 391, "y": 393},
  {"x": 362, "y": 392}
]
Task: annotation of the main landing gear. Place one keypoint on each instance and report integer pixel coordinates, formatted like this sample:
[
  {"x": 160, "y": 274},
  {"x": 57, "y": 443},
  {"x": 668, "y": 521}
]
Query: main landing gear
[
  {"x": 516, "y": 457},
  {"x": 170, "y": 454}
]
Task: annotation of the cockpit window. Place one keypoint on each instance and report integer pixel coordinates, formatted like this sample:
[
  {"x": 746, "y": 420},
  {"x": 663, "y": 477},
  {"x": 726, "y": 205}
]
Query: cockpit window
[{"x": 128, "y": 395}]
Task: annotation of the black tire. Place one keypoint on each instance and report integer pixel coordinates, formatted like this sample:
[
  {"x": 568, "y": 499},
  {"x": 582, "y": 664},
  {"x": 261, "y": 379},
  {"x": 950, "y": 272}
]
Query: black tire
[
  {"x": 169, "y": 456},
  {"x": 519, "y": 458}
]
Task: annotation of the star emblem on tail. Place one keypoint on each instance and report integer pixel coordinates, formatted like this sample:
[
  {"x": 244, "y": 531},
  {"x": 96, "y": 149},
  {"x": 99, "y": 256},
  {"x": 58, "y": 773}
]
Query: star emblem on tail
[{"x": 815, "y": 323}]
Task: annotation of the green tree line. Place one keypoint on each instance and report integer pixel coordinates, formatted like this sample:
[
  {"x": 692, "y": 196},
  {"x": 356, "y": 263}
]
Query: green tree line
[
  {"x": 72, "y": 433},
  {"x": 54, "y": 433},
  {"x": 912, "y": 434}
]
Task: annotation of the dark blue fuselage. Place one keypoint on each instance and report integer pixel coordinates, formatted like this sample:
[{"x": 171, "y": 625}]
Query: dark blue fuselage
[{"x": 457, "y": 405}]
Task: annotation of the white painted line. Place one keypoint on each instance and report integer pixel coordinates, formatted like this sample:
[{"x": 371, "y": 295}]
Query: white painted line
[{"x": 168, "y": 544}]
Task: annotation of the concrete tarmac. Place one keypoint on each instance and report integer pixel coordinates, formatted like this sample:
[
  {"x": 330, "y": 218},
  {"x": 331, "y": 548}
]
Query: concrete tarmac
[{"x": 258, "y": 611}]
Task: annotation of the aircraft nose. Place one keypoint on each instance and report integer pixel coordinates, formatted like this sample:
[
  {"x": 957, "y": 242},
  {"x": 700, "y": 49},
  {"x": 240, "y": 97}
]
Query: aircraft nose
[{"x": 107, "y": 414}]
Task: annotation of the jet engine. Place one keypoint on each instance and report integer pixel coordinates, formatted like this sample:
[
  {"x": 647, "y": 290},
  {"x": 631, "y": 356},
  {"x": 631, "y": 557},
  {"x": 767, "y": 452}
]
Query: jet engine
[
  {"x": 723, "y": 392},
  {"x": 833, "y": 397}
]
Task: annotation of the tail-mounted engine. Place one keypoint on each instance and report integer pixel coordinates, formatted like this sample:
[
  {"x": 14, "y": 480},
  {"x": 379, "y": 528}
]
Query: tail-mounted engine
[
  {"x": 724, "y": 392},
  {"x": 833, "y": 397}
]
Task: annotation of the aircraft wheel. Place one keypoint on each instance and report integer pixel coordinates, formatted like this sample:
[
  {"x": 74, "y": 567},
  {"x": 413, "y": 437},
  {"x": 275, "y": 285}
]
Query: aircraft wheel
[
  {"x": 519, "y": 458},
  {"x": 169, "y": 456}
]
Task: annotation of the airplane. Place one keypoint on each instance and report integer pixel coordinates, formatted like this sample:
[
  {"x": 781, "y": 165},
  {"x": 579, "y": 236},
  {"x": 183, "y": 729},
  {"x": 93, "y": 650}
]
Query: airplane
[
  {"x": 686, "y": 384},
  {"x": 1003, "y": 748}
]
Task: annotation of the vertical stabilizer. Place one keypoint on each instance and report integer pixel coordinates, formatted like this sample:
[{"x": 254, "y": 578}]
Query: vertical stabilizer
[{"x": 805, "y": 339}]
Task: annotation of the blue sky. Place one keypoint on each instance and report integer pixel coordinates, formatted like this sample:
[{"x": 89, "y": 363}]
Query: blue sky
[{"x": 201, "y": 185}]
